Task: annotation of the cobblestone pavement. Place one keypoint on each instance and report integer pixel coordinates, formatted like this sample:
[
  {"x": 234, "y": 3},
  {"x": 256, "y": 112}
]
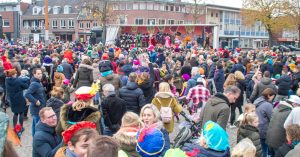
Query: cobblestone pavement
[{"x": 25, "y": 150}]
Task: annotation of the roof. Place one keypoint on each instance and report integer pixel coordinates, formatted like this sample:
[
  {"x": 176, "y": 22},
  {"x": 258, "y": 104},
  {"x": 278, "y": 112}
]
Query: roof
[{"x": 75, "y": 4}]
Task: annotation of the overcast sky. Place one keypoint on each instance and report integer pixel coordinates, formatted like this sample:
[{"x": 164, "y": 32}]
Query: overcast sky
[{"x": 230, "y": 3}]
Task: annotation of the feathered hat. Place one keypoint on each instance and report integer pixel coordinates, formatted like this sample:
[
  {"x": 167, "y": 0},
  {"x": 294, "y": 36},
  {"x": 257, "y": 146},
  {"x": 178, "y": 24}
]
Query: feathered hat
[
  {"x": 67, "y": 135},
  {"x": 85, "y": 92}
]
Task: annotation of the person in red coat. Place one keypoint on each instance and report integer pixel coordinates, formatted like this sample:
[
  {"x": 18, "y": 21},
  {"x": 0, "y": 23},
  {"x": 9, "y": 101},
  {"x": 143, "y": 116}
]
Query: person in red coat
[{"x": 69, "y": 55}]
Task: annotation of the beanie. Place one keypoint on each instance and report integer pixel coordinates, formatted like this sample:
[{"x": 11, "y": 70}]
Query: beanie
[{"x": 215, "y": 136}]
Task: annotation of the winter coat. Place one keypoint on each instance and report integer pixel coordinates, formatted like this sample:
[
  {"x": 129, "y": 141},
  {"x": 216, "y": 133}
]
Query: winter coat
[
  {"x": 67, "y": 92},
  {"x": 276, "y": 135},
  {"x": 200, "y": 151},
  {"x": 294, "y": 152},
  {"x": 67, "y": 70},
  {"x": 191, "y": 83},
  {"x": 96, "y": 72},
  {"x": 296, "y": 80},
  {"x": 260, "y": 87},
  {"x": 45, "y": 141},
  {"x": 205, "y": 67},
  {"x": 264, "y": 112},
  {"x": 126, "y": 137},
  {"x": 248, "y": 131},
  {"x": 58, "y": 79},
  {"x": 217, "y": 110},
  {"x": 249, "y": 84},
  {"x": 133, "y": 96},
  {"x": 177, "y": 81},
  {"x": 84, "y": 76},
  {"x": 113, "y": 79},
  {"x": 283, "y": 150},
  {"x": 267, "y": 67},
  {"x": 237, "y": 67},
  {"x": 278, "y": 66},
  {"x": 284, "y": 85},
  {"x": 219, "y": 79},
  {"x": 293, "y": 117},
  {"x": 36, "y": 92},
  {"x": 55, "y": 104},
  {"x": 67, "y": 115},
  {"x": 186, "y": 70},
  {"x": 113, "y": 109},
  {"x": 14, "y": 91},
  {"x": 147, "y": 86},
  {"x": 165, "y": 99},
  {"x": 211, "y": 70},
  {"x": 241, "y": 84}
]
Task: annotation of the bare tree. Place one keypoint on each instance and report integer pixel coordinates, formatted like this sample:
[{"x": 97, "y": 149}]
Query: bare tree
[{"x": 197, "y": 10}]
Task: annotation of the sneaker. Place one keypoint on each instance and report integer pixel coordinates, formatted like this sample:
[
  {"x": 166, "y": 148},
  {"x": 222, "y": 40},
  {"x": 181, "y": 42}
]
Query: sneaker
[{"x": 232, "y": 126}]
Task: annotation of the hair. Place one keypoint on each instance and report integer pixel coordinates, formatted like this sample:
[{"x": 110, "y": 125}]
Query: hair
[
  {"x": 80, "y": 104},
  {"x": 164, "y": 87},
  {"x": 10, "y": 72},
  {"x": 267, "y": 74},
  {"x": 249, "y": 118},
  {"x": 232, "y": 89},
  {"x": 230, "y": 80},
  {"x": 24, "y": 72},
  {"x": 57, "y": 92},
  {"x": 108, "y": 87},
  {"x": 103, "y": 146},
  {"x": 132, "y": 77},
  {"x": 130, "y": 119},
  {"x": 36, "y": 60},
  {"x": 239, "y": 59},
  {"x": 248, "y": 106},
  {"x": 143, "y": 77},
  {"x": 195, "y": 71},
  {"x": 9, "y": 150},
  {"x": 88, "y": 134},
  {"x": 245, "y": 148},
  {"x": 268, "y": 92},
  {"x": 86, "y": 61},
  {"x": 239, "y": 75},
  {"x": 43, "y": 110},
  {"x": 35, "y": 70},
  {"x": 154, "y": 109},
  {"x": 219, "y": 66},
  {"x": 293, "y": 131},
  {"x": 167, "y": 78}
]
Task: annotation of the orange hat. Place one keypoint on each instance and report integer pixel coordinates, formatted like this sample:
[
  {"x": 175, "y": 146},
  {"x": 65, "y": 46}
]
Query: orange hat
[{"x": 202, "y": 71}]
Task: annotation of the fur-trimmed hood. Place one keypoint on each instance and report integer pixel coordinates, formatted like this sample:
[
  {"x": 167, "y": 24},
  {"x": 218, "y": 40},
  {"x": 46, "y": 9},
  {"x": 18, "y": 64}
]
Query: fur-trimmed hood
[
  {"x": 86, "y": 66},
  {"x": 164, "y": 95},
  {"x": 126, "y": 137}
]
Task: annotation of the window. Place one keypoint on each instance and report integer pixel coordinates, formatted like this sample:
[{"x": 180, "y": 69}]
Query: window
[
  {"x": 54, "y": 24},
  {"x": 171, "y": 22},
  {"x": 188, "y": 22},
  {"x": 43, "y": 10},
  {"x": 151, "y": 22},
  {"x": 67, "y": 9},
  {"x": 88, "y": 25},
  {"x": 116, "y": 7},
  {"x": 81, "y": 25},
  {"x": 142, "y": 6},
  {"x": 35, "y": 10},
  {"x": 162, "y": 21},
  {"x": 212, "y": 14},
  {"x": 33, "y": 24},
  {"x": 171, "y": 8},
  {"x": 139, "y": 21},
  {"x": 71, "y": 24},
  {"x": 122, "y": 6},
  {"x": 149, "y": 6},
  {"x": 217, "y": 15},
  {"x": 183, "y": 9},
  {"x": 62, "y": 23},
  {"x": 56, "y": 10},
  {"x": 5, "y": 23},
  {"x": 26, "y": 24},
  {"x": 156, "y": 7},
  {"x": 161, "y": 7},
  {"x": 180, "y": 21},
  {"x": 135, "y": 6},
  {"x": 129, "y": 6},
  {"x": 177, "y": 9},
  {"x": 95, "y": 24},
  {"x": 122, "y": 19},
  {"x": 167, "y": 8}
]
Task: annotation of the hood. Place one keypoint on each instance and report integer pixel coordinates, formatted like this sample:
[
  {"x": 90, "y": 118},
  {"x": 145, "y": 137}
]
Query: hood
[
  {"x": 11, "y": 81},
  {"x": 284, "y": 106},
  {"x": 55, "y": 103},
  {"x": 85, "y": 66},
  {"x": 286, "y": 78},
  {"x": 164, "y": 95},
  {"x": 146, "y": 85},
  {"x": 195, "y": 77},
  {"x": 44, "y": 127},
  {"x": 131, "y": 85},
  {"x": 266, "y": 80},
  {"x": 33, "y": 79},
  {"x": 109, "y": 77},
  {"x": 258, "y": 101},
  {"x": 219, "y": 98},
  {"x": 127, "y": 138}
]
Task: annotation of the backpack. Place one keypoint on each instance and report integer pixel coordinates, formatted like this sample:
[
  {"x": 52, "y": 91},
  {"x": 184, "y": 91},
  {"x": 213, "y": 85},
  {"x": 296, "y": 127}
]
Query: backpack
[{"x": 166, "y": 113}]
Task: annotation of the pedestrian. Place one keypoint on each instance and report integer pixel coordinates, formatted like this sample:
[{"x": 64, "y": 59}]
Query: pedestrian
[
  {"x": 68, "y": 89},
  {"x": 45, "y": 141},
  {"x": 195, "y": 74},
  {"x": 67, "y": 69},
  {"x": 58, "y": 76},
  {"x": 284, "y": 85},
  {"x": 56, "y": 100},
  {"x": 103, "y": 146},
  {"x": 36, "y": 96},
  {"x": 84, "y": 74},
  {"x": 145, "y": 82},
  {"x": 219, "y": 78},
  {"x": 293, "y": 139}
]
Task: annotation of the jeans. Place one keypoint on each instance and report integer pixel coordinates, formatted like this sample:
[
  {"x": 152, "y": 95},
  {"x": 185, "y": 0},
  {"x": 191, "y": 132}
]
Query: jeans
[
  {"x": 264, "y": 147},
  {"x": 35, "y": 120}
]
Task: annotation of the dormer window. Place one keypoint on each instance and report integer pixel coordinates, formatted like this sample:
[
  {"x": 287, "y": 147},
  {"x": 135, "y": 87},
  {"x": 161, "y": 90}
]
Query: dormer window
[
  {"x": 56, "y": 9},
  {"x": 67, "y": 9},
  {"x": 35, "y": 10}
]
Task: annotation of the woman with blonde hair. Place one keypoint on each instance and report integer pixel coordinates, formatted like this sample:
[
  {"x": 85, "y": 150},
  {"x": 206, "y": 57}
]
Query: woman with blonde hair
[
  {"x": 244, "y": 148},
  {"x": 230, "y": 80},
  {"x": 126, "y": 136},
  {"x": 145, "y": 82},
  {"x": 165, "y": 100}
]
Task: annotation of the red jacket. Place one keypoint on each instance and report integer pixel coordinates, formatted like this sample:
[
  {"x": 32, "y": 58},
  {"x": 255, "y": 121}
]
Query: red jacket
[{"x": 69, "y": 55}]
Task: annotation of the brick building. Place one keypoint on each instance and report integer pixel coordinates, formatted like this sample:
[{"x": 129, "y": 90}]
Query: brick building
[{"x": 11, "y": 13}]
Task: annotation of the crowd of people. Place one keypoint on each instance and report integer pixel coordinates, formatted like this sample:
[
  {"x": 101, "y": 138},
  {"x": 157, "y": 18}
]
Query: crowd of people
[{"x": 108, "y": 101}]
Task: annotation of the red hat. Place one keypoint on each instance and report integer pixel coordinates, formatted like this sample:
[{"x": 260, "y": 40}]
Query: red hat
[
  {"x": 84, "y": 93},
  {"x": 105, "y": 56},
  {"x": 6, "y": 64},
  {"x": 67, "y": 134},
  {"x": 117, "y": 49}
]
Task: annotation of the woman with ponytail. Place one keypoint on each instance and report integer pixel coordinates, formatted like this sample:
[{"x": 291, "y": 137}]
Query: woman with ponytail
[{"x": 248, "y": 129}]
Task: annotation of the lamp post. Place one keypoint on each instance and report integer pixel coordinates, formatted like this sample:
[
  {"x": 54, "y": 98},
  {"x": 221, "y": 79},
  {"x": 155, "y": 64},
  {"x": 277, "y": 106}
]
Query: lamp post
[
  {"x": 239, "y": 36},
  {"x": 46, "y": 23}
]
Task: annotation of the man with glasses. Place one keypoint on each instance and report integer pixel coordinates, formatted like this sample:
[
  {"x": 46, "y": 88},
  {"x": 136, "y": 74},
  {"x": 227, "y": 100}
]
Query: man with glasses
[
  {"x": 45, "y": 141},
  {"x": 217, "y": 109}
]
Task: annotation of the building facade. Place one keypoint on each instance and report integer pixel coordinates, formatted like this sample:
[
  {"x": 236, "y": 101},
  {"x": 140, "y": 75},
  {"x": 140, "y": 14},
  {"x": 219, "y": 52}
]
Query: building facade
[{"x": 11, "y": 13}]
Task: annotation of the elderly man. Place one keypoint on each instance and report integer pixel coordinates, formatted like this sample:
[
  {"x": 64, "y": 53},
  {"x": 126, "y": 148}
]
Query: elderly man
[
  {"x": 45, "y": 141},
  {"x": 294, "y": 116}
]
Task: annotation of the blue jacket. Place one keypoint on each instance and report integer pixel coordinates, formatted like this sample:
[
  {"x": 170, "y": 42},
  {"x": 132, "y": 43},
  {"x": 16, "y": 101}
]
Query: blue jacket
[
  {"x": 264, "y": 111},
  {"x": 219, "y": 79},
  {"x": 284, "y": 84},
  {"x": 153, "y": 57},
  {"x": 14, "y": 88},
  {"x": 191, "y": 83},
  {"x": 45, "y": 141},
  {"x": 238, "y": 67},
  {"x": 204, "y": 152},
  {"x": 36, "y": 92}
]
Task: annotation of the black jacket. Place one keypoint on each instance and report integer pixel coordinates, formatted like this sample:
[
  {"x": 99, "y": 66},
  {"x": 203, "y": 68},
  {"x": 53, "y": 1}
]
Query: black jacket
[
  {"x": 133, "y": 96},
  {"x": 113, "y": 110},
  {"x": 14, "y": 88},
  {"x": 45, "y": 141},
  {"x": 147, "y": 87},
  {"x": 283, "y": 150},
  {"x": 284, "y": 84},
  {"x": 84, "y": 76},
  {"x": 238, "y": 67},
  {"x": 67, "y": 70}
]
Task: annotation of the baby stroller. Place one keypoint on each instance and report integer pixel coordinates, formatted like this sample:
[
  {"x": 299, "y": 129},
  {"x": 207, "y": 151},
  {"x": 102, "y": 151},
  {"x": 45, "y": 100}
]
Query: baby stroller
[{"x": 188, "y": 132}]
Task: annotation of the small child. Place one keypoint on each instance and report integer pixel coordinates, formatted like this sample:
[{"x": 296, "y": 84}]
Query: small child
[
  {"x": 68, "y": 89},
  {"x": 248, "y": 108},
  {"x": 244, "y": 148},
  {"x": 248, "y": 129},
  {"x": 293, "y": 138}
]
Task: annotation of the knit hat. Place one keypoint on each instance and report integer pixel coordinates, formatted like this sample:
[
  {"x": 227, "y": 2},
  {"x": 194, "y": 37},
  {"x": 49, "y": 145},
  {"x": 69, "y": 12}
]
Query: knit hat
[
  {"x": 84, "y": 93},
  {"x": 105, "y": 56},
  {"x": 105, "y": 66},
  {"x": 151, "y": 48},
  {"x": 151, "y": 142},
  {"x": 215, "y": 136},
  {"x": 67, "y": 135},
  {"x": 186, "y": 77},
  {"x": 136, "y": 62},
  {"x": 66, "y": 81},
  {"x": 47, "y": 59},
  {"x": 59, "y": 68},
  {"x": 175, "y": 153}
]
